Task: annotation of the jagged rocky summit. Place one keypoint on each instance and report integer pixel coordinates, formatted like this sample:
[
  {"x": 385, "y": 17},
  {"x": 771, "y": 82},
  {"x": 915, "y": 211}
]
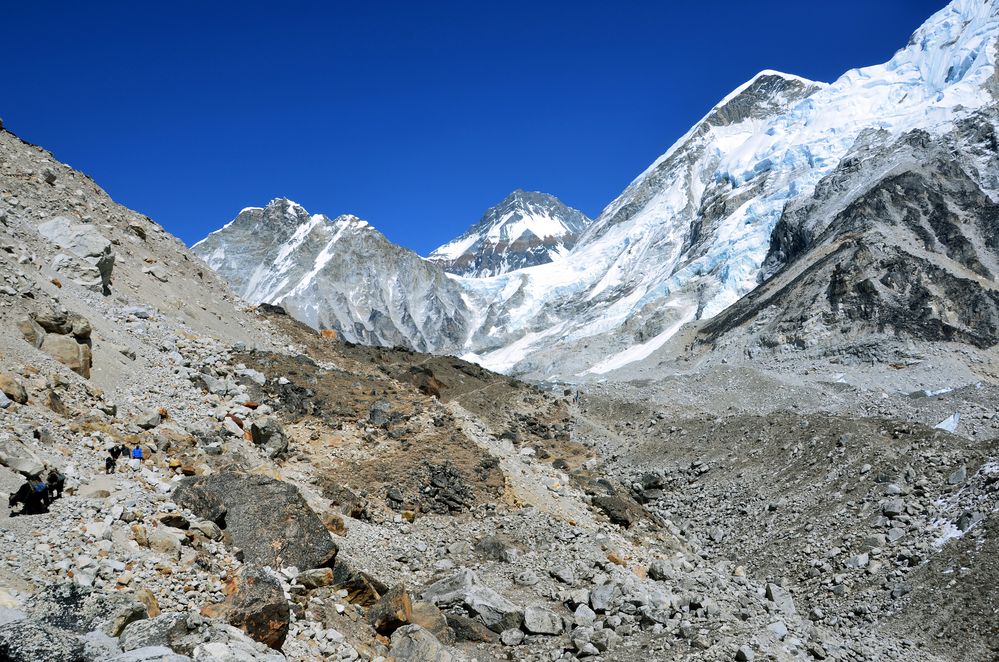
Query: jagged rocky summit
[
  {"x": 339, "y": 274},
  {"x": 526, "y": 229}
]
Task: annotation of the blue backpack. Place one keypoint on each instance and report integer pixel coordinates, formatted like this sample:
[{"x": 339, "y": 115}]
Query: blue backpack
[{"x": 136, "y": 453}]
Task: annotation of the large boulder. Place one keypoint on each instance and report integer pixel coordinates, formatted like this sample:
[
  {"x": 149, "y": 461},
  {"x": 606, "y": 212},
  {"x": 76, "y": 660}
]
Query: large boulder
[
  {"x": 268, "y": 433},
  {"x": 538, "y": 620},
  {"x": 165, "y": 630},
  {"x": 66, "y": 350},
  {"x": 621, "y": 510},
  {"x": 469, "y": 629},
  {"x": 184, "y": 633},
  {"x": 393, "y": 610},
  {"x": 148, "y": 654},
  {"x": 80, "y": 609},
  {"x": 255, "y": 603},
  {"x": 430, "y": 618},
  {"x": 411, "y": 643},
  {"x": 362, "y": 589},
  {"x": 266, "y": 518},
  {"x": 227, "y": 644},
  {"x": 63, "y": 335},
  {"x": 498, "y": 548},
  {"x": 30, "y": 641},
  {"x": 12, "y": 387},
  {"x": 465, "y": 589},
  {"x": 88, "y": 257},
  {"x": 17, "y": 457}
]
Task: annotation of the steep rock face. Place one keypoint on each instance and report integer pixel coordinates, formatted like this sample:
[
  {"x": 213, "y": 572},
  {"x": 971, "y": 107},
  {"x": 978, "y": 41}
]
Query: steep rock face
[
  {"x": 526, "y": 229},
  {"x": 900, "y": 239},
  {"x": 338, "y": 274}
]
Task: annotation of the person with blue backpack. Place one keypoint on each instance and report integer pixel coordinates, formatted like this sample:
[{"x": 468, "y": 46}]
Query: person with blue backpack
[{"x": 137, "y": 453}]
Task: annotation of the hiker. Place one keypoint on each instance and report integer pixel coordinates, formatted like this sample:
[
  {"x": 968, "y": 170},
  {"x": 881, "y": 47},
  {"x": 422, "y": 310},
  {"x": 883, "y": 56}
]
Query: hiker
[
  {"x": 137, "y": 453},
  {"x": 33, "y": 496},
  {"x": 110, "y": 464},
  {"x": 56, "y": 482}
]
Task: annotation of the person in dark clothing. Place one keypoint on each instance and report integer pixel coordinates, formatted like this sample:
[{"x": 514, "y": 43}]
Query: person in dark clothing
[
  {"x": 110, "y": 464},
  {"x": 56, "y": 482}
]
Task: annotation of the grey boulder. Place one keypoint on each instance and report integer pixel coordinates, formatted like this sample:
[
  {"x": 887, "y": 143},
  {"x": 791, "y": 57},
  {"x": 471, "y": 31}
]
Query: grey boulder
[
  {"x": 88, "y": 259},
  {"x": 411, "y": 643},
  {"x": 465, "y": 589},
  {"x": 266, "y": 518}
]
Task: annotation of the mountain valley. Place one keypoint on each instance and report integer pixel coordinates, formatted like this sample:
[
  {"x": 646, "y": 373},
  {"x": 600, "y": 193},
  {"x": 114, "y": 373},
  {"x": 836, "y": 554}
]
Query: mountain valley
[{"x": 748, "y": 412}]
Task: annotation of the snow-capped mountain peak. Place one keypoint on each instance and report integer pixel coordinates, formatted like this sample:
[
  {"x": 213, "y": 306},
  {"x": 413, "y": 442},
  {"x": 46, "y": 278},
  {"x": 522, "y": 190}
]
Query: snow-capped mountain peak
[
  {"x": 547, "y": 292},
  {"x": 525, "y": 229}
]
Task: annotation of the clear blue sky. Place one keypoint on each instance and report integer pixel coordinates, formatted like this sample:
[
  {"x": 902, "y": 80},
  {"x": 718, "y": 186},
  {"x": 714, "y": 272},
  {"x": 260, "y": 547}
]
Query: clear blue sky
[{"x": 416, "y": 116}]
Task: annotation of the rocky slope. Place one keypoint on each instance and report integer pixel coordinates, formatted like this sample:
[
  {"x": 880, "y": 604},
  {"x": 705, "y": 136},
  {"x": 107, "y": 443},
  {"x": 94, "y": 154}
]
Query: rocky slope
[
  {"x": 901, "y": 240},
  {"x": 525, "y": 229},
  {"x": 693, "y": 233}
]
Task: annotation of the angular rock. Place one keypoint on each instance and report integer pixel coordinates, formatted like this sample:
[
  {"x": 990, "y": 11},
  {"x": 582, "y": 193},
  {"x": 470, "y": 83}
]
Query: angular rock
[
  {"x": 414, "y": 644},
  {"x": 362, "y": 589},
  {"x": 148, "y": 654},
  {"x": 393, "y": 610},
  {"x": 464, "y": 588},
  {"x": 380, "y": 413},
  {"x": 149, "y": 419},
  {"x": 512, "y": 637},
  {"x": 432, "y": 619},
  {"x": 227, "y": 644},
  {"x": 893, "y": 508},
  {"x": 564, "y": 574},
  {"x": 661, "y": 570},
  {"x": 83, "y": 242},
  {"x": 255, "y": 603},
  {"x": 955, "y": 478},
  {"x": 81, "y": 610},
  {"x": 66, "y": 350},
  {"x": 268, "y": 519},
  {"x": 497, "y": 548},
  {"x": 316, "y": 578},
  {"x": 268, "y": 433},
  {"x": 603, "y": 595},
  {"x": 32, "y": 331},
  {"x": 17, "y": 457},
  {"x": 623, "y": 511},
  {"x": 538, "y": 620},
  {"x": 469, "y": 629},
  {"x": 781, "y": 598},
  {"x": 12, "y": 387},
  {"x": 164, "y": 630},
  {"x": 165, "y": 542},
  {"x": 30, "y": 641}
]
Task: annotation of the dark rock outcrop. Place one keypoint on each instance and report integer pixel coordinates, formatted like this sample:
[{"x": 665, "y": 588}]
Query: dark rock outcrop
[
  {"x": 266, "y": 518},
  {"x": 255, "y": 603}
]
